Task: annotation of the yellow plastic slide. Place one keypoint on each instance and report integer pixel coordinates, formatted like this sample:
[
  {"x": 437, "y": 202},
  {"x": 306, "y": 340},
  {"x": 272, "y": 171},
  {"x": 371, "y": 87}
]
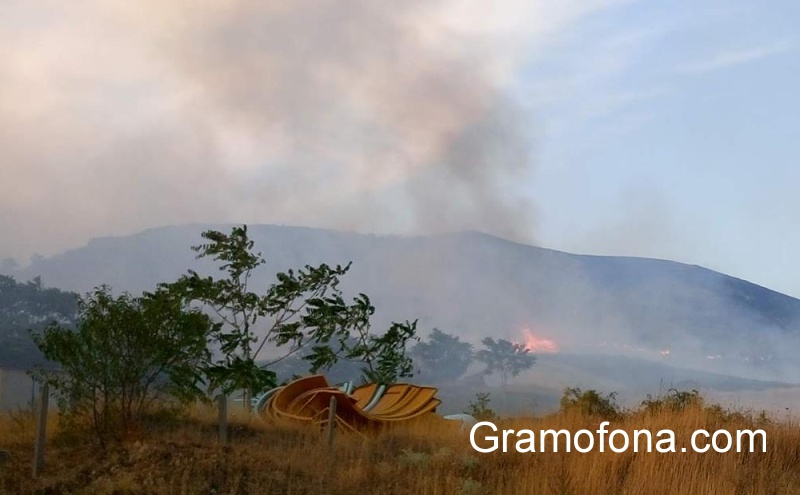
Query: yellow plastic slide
[{"x": 308, "y": 399}]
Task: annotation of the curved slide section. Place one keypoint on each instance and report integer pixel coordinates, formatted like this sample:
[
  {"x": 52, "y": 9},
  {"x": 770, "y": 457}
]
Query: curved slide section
[{"x": 368, "y": 406}]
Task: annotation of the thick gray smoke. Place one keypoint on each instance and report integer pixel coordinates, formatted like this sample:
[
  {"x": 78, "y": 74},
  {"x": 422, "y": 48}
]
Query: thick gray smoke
[
  {"x": 365, "y": 102},
  {"x": 374, "y": 116}
]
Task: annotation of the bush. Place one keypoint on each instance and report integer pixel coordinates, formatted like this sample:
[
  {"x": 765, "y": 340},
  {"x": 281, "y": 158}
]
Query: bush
[
  {"x": 127, "y": 354},
  {"x": 590, "y": 403},
  {"x": 479, "y": 408},
  {"x": 674, "y": 400}
]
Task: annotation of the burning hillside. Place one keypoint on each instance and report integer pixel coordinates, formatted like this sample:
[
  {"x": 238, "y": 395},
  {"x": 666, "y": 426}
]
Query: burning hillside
[{"x": 538, "y": 345}]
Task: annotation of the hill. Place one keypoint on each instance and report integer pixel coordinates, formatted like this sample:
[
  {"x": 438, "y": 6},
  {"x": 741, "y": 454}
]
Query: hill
[{"x": 476, "y": 285}]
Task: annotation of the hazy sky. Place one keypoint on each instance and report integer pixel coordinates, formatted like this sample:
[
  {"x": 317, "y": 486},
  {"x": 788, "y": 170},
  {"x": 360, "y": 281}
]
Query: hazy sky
[{"x": 666, "y": 129}]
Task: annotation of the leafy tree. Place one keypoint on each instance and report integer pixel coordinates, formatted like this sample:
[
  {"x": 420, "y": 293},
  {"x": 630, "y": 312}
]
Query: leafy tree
[
  {"x": 384, "y": 355},
  {"x": 373, "y": 358},
  {"x": 304, "y": 309},
  {"x": 505, "y": 358},
  {"x": 297, "y": 365},
  {"x": 28, "y": 305},
  {"x": 125, "y": 353},
  {"x": 443, "y": 357}
]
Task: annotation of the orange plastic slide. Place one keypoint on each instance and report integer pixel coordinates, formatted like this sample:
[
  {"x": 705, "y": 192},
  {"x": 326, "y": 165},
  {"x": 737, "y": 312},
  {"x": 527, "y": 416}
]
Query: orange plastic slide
[{"x": 308, "y": 399}]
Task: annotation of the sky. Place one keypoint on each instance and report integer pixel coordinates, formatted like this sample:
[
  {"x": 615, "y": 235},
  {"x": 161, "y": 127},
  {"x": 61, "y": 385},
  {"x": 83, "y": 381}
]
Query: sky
[{"x": 642, "y": 128}]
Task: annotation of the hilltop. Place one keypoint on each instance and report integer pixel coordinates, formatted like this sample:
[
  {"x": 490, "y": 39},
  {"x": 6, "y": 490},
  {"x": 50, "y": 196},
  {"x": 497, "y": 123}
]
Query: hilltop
[{"x": 475, "y": 285}]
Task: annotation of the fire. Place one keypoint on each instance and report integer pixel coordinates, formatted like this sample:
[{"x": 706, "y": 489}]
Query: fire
[{"x": 539, "y": 344}]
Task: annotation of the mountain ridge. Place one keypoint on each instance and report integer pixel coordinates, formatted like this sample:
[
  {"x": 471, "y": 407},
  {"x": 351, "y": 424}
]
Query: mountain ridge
[{"x": 477, "y": 284}]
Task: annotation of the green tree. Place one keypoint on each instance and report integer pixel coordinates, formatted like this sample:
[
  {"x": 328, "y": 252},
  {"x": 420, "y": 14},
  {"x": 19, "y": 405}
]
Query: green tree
[
  {"x": 125, "y": 353},
  {"x": 297, "y": 365},
  {"x": 25, "y": 306},
  {"x": 443, "y": 357},
  {"x": 304, "y": 309},
  {"x": 505, "y": 358},
  {"x": 384, "y": 356}
]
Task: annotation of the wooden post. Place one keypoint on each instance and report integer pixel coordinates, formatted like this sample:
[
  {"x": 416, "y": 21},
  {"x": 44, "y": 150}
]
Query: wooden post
[
  {"x": 223, "y": 418},
  {"x": 331, "y": 421},
  {"x": 329, "y": 479},
  {"x": 247, "y": 400},
  {"x": 41, "y": 430}
]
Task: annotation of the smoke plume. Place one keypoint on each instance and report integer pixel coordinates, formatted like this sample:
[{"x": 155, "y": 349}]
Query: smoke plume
[{"x": 378, "y": 116}]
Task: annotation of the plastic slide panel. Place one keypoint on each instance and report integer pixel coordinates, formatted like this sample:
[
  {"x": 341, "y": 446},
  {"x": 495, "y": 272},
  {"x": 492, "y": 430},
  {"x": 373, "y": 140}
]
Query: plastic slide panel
[
  {"x": 308, "y": 399},
  {"x": 414, "y": 402},
  {"x": 393, "y": 394},
  {"x": 280, "y": 401},
  {"x": 364, "y": 394},
  {"x": 430, "y": 407},
  {"x": 375, "y": 398}
]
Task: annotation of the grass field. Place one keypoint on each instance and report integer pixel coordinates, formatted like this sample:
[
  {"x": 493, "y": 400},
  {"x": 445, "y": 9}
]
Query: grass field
[{"x": 182, "y": 456}]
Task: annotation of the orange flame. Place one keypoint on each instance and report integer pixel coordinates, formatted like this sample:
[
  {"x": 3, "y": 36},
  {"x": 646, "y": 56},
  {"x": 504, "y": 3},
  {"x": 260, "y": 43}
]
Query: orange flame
[{"x": 539, "y": 344}]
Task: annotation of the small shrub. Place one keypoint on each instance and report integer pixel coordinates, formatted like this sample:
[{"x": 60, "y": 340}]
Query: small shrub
[
  {"x": 479, "y": 408},
  {"x": 675, "y": 400},
  {"x": 590, "y": 403}
]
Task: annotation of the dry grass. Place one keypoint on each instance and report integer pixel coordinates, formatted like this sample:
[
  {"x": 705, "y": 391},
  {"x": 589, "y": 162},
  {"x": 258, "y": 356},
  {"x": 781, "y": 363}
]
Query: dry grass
[{"x": 427, "y": 457}]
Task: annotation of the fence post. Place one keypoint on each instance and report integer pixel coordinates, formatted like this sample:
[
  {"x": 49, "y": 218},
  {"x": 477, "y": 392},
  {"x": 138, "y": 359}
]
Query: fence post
[
  {"x": 41, "y": 429},
  {"x": 331, "y": 421},
  {"x": 223, "y": 418}
]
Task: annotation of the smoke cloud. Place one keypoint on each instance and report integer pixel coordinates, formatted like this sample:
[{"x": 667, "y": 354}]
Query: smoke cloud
[{"x": 378, "y": 116}]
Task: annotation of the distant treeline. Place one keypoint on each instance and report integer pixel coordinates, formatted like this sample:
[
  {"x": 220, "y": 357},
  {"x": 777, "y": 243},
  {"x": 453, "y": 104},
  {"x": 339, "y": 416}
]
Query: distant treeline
[{"x": 26, "y": 306}]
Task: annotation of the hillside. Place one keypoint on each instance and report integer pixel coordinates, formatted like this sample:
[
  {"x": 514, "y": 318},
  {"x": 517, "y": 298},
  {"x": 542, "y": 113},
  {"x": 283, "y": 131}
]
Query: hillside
[{"x": 477, "y": 285}]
